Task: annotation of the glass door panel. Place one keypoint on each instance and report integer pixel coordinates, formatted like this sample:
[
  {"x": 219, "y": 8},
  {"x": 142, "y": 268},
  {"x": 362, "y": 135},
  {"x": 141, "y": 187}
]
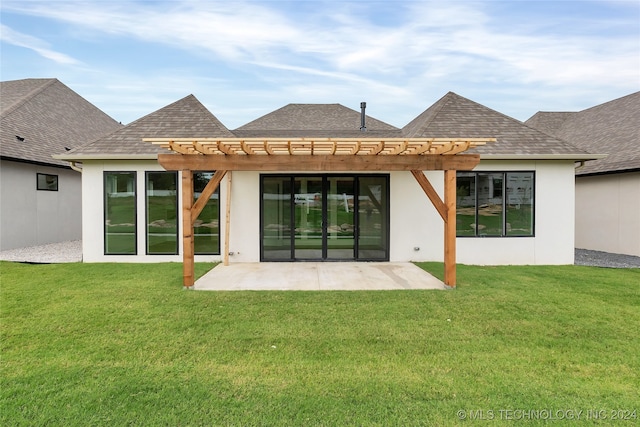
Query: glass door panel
[
  {"x": 325, "y": 217},
  {"x": 340, "y": 230},
  {"x": 373, "y": 218},
  {"x": 276, "y": 218},
  {"x": 309, "y": 218}
]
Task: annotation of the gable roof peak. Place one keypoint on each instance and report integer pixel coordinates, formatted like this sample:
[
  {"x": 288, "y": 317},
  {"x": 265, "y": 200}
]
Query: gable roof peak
[
  {"x": 41, "y": 117},
  {"x": 15, "y": 93},
  {"x": 184, "y": 118},
  {"x": 454, "y": 116},
  {"x": 312, "y": 120}
]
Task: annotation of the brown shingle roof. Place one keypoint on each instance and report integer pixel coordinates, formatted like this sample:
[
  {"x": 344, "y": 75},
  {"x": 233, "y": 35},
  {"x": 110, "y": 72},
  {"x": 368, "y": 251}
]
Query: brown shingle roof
[
  {"x": 548, "y": 122},
  {"x": 452, "y": 116},
  {"x": 186, "y": 118},
  {"x": 315, "y": 120},
  {"x": 40, "y": 117},
  {"x": 458, "y": 117},
  {"x": 612, "y": 128}
]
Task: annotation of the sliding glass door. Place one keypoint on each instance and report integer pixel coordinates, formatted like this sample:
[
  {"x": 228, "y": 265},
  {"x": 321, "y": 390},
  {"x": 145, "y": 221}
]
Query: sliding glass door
[{"x": 324, "y": 217}]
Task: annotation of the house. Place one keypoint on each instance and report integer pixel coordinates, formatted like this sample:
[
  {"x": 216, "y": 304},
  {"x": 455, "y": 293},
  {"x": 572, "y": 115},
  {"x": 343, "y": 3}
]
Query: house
[
  {"x": 40, "y": 197},
  {"x": 608, "y": 189},
  {"x": 515, "y": 207}
]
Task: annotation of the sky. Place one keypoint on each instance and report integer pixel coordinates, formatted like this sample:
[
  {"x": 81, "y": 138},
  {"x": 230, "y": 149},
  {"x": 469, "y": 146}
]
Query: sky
[{"x": 244, "y": 59}]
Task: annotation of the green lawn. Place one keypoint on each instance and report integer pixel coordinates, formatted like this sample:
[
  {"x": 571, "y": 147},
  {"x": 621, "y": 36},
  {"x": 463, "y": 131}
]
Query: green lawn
[{"x": 123, "y": 344}]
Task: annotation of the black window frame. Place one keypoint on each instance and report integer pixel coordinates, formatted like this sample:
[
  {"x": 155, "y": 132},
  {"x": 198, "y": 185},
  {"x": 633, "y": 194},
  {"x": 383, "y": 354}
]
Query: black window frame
[
  {"x": 504, "y": 195},
  {"x": 46, "y": 175},
  {"x": 146, "y": 213},
  {"x": 105, "y": 213}
]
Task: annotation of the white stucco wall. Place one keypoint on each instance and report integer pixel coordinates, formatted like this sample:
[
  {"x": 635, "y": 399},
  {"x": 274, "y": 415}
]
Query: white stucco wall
[
  {"x": 608, "y": 213},
  {"x": 414, "y": 222},
  {"x": 421, "y": 225},
  {"x": 244, "y": 239},
  {"x": 29, "y": 217}
]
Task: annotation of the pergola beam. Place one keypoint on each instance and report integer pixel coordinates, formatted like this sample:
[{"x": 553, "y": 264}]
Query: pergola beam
[{"x": 328, "y": 163}]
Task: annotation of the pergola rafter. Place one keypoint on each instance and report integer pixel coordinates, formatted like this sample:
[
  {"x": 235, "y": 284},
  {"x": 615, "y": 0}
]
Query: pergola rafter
[
  {"x": 319, "y": 146},
  {"x": 318, "y": 154}
]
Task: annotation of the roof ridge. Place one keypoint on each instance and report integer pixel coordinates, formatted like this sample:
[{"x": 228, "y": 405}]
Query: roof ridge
[
  {"x": 564, "y": 141},
  {"x": 159, "y": 109},
  {"x": 528, "y": 126},
  {"x": 89, "y": 143},
  {"x": 438, "y": 107},
  {"x": 28, "y": 97},
  {"x": 609, "y": 102},
  {"x": 555, "y": 136}
]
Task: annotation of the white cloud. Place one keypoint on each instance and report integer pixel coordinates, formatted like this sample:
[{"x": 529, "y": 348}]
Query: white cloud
[
  {"x": 8, "y": 35},
  {"x": 400, "y": 54},
  {"x": 334, "y": 41}
]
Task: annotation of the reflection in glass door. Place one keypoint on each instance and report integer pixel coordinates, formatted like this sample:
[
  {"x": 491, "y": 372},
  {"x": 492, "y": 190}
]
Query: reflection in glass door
[
  {"x": 373, "y": 218},
  {"x": 340, "y": 222},
  {"x": 309, "y": 224},
  {"x": 324, "y": 217}
]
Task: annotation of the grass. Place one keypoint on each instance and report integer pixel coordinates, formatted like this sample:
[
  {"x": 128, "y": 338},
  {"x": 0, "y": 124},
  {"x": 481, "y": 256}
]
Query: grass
[{"x": 123, "y": 344}]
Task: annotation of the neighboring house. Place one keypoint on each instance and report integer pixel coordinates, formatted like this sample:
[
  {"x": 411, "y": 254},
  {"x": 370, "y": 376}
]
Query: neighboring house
[
  {"x": 40, "y": 197},
  {"x": 516, "y": 207},
  {"x": 607, "y": 190}
]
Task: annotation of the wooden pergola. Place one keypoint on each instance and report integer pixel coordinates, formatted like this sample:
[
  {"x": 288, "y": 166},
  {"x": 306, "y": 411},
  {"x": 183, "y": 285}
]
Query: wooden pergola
[{"x": 224, "y": 155}]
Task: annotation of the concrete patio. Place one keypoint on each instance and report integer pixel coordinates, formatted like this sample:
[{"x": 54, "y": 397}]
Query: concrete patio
[{"x": 317, "y": 276}]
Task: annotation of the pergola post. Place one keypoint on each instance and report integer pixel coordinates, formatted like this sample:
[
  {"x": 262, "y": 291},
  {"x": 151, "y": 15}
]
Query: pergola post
[
  {"x": 227, "y": 226},
  {"x": 187, "y": 230},
  {"x": 447, "y": 211},
  {"x": 450, "y": 228}
]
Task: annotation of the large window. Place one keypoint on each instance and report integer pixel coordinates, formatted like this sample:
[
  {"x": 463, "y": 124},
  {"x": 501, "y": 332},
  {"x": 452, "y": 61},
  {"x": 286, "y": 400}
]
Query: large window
[
  {"x": 162, "y": 213},
  {"x": 495, "y": 204},
  {"x": 206, "y": 228},
  {"x": 120, "y": 213}
]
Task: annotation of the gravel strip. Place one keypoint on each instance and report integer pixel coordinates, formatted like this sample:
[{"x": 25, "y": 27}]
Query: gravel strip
[
  {"x": 72, "y": 252},
  {"x": 46, "y": 254},
  {"x": 605, "y": 259}
]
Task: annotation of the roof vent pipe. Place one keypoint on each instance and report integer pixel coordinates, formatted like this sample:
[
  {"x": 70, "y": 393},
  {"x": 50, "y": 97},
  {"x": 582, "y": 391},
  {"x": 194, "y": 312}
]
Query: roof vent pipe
[{"x": 363, "y": 106}]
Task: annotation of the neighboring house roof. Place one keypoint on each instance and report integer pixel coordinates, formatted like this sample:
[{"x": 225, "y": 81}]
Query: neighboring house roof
[
  {"x": 458, "y": 117},
  {"x": 549, "y": 122},
  {"x": 315, "y": 120},
  {"x": 42, "y": 117},
  {"x": 186, "y": 118},
  {"x": 612, "y": 128}
]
